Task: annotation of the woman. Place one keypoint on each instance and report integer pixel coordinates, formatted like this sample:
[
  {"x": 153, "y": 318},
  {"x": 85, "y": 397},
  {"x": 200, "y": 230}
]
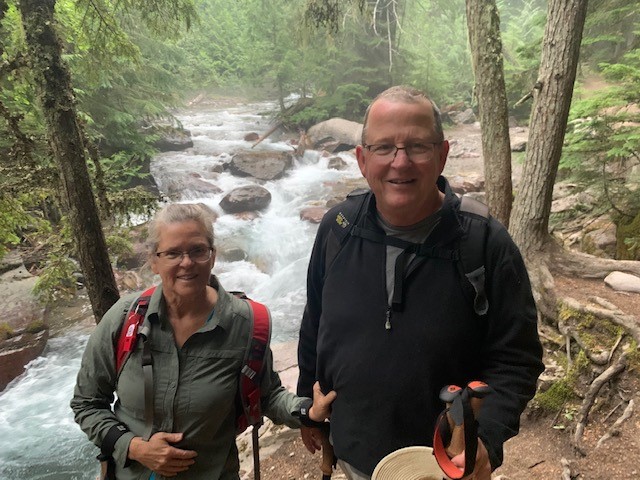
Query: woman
[{"x": 198, "y": 335}]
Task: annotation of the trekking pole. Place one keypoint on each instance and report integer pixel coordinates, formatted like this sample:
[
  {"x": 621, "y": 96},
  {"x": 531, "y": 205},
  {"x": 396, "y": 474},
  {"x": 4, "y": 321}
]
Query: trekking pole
[
  {"x": 256, "y": 452},
  {"x": 328, "y": 458}
]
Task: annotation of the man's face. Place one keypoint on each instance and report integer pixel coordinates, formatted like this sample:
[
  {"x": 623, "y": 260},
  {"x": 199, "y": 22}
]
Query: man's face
[{"x": 405, "y": 188}]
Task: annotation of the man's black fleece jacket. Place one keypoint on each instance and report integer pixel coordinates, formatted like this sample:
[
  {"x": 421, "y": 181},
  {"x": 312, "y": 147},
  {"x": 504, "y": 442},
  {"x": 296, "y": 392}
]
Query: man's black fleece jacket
[{"x": 388, "y": 380}]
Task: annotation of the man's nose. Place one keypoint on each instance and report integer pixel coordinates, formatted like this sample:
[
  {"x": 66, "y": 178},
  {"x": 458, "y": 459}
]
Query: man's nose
[{"x": 401, "y": 157}]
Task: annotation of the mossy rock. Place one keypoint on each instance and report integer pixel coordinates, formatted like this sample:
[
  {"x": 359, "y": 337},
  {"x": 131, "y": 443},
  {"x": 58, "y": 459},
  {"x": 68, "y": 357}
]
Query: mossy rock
[
  {"x": 627, "y": 231},
  {"x": 5, "y": 331}
]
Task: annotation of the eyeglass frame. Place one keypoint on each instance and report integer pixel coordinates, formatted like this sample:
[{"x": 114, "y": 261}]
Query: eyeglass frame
[
  {"x": 397, "y": 148},
  {"x": 183, "y": 253}
]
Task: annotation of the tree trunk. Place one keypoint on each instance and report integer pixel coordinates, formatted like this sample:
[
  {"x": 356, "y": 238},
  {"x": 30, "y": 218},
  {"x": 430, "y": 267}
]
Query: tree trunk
[
  {"x": 560, "y": 51},
  {"x": 483, "y": 23},
  {"x": 58, "y": 106}
]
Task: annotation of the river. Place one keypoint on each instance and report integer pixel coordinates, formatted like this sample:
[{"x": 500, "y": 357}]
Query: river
[{"x": 38, "y": 437}]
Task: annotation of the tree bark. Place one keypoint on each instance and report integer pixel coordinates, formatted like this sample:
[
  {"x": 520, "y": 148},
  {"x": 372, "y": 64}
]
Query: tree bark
[
  {"x": 58, "y": 105},
  {"x": 560, "y": 52},
  {"x": 483, "y": 23}
]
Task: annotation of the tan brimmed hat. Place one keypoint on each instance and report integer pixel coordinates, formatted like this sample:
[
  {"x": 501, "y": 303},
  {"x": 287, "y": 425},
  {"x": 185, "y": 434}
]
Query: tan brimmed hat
[{"x": 410, "y": 463}]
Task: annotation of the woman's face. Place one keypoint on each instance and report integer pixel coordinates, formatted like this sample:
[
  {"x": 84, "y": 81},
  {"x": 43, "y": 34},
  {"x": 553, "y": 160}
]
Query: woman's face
[{"x": 182, "y": 277}]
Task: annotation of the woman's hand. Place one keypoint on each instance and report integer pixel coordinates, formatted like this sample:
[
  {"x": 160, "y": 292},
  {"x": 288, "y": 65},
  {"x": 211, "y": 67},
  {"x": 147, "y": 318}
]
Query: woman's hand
[
  {"x": 482, "y": 471},
  {"x": 321, "y": 408},
  {"x": 158, "y": 454}
]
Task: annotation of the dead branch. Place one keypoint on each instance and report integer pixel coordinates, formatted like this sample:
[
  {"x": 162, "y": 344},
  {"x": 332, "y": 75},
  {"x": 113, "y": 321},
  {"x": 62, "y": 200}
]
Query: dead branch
[
  {"x": 614, "y": 430},
  {"x": 590, "y": 398},
  {"x": 615, "y": 346},
  {"x": 269, "y": 132}
]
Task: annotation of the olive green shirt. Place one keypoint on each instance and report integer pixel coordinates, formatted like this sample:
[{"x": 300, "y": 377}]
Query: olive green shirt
[{"x": 194, "y": 387}]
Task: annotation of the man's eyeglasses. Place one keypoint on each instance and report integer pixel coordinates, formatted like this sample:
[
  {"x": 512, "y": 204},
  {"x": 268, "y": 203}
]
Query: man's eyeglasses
[
  {"x": 174, "y": 257},
  {"x": 415, "y": 151}
]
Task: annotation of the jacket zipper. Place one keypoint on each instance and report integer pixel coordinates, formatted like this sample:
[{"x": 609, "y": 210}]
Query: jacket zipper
[{"x": 387, "y": 324}]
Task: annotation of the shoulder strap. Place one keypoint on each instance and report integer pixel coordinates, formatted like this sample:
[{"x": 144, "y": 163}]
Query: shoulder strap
[
  {"x": 253, "y": 367},
  {"x": 345, "y": 220},
  {"x": 475, "y": 219},
  {"x": 129, "y": 332},
  {"x": 251, "y": 377}
]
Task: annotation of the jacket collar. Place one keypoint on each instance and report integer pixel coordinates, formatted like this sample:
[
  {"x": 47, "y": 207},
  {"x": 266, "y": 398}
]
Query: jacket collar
[{"x": 448, "y": 229}]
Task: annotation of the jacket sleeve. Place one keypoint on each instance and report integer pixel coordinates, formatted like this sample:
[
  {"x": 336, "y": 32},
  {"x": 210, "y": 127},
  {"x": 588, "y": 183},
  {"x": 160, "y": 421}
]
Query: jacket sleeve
[
  {"x": 511, "y": 355},
  {"x": 312, "y": 311},
  {"x": 96, "y": 381}
]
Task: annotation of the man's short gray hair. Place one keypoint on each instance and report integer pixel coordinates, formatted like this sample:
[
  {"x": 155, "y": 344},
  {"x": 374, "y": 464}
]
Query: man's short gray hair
[{"x": 406, "y": 94}]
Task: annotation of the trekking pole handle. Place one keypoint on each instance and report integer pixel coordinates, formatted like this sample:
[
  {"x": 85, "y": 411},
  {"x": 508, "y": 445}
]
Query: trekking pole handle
[{"x": 448, "y": 394}]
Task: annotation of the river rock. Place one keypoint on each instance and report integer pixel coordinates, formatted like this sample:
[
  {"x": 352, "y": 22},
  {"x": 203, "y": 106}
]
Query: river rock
[
  {"x": 263, "y": 165},
  {"x": 20, "y": 309},
  {"x": 624, "y": 282},
  {"x": 337, "y": 163},
  {"x": 189, "y": 185},
  {"x": 335, "y": 135},
  {"x": 248, "y": 198},
  {"x": 172, "y": 139},
  {"x": 17, "y": 351},
  {"x": 313, "y": 214}
]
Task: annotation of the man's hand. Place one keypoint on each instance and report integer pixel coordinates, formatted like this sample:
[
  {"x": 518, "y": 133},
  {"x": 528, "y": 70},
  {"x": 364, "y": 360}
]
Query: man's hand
[
  {"x": 158, "y": 454},
  {"x": 482, "y": 471},
  {"x": 321, "y": 408},
  {"x": 312, "y": 438}
]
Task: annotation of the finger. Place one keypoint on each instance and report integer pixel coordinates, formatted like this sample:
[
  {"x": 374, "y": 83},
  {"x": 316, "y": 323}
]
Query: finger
[
  {"x": 330, "y": 397},
  {"x": 178, "y": 453},
  {"x": 170, "y": 437}
]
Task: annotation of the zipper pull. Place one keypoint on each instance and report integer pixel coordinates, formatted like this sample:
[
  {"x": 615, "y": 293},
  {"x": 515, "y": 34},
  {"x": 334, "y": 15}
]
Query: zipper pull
[{"x": 387, "y": 324}]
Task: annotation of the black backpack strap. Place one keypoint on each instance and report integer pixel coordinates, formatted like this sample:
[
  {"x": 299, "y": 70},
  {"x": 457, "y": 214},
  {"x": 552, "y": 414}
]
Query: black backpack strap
[
  {"x": 345, "y": 220},
  {"x": 475, "y": 219}
]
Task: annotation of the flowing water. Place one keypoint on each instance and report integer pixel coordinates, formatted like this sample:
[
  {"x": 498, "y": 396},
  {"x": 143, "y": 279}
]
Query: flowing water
[{"x": 38, "y": 436}]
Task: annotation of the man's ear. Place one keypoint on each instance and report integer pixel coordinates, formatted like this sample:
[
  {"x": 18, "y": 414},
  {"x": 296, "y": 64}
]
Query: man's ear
[
  {"x": 444, "y": 152},
  {"x": 361, "y": 159}
]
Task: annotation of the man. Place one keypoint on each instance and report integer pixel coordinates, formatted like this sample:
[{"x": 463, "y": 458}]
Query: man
[{"x": 388, "y": 323}]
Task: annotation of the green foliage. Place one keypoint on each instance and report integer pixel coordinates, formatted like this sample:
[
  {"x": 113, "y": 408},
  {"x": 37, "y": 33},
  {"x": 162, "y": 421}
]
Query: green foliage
[
  {"x": 12, "y": 218},
  {"x": 56, "y": 281},
  {"x": 447, "y": 78},
  {"x": 348, "y": 101},
  {"x": 522, "y": 27}
]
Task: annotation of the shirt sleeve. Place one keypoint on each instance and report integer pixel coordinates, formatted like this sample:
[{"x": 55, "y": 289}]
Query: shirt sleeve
[
  {"x": 95, "y": 384},
  {"x": 278, "y": 403}
]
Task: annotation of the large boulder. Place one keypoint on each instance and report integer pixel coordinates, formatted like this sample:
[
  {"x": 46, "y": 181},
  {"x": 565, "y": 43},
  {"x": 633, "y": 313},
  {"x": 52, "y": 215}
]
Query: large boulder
[
  {"x": 247, "y": 198},
  {"x": 172, "y": 139},
  {"x": 262, "y": 165},
  {"x": 19, "y": 350},
  {"x": 189, "y": 185},
  {"x": 335, "y": 135}
]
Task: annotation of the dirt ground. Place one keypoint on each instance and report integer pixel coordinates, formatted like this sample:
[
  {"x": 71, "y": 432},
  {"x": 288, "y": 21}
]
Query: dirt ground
[{"x": 536, "y": 453}]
